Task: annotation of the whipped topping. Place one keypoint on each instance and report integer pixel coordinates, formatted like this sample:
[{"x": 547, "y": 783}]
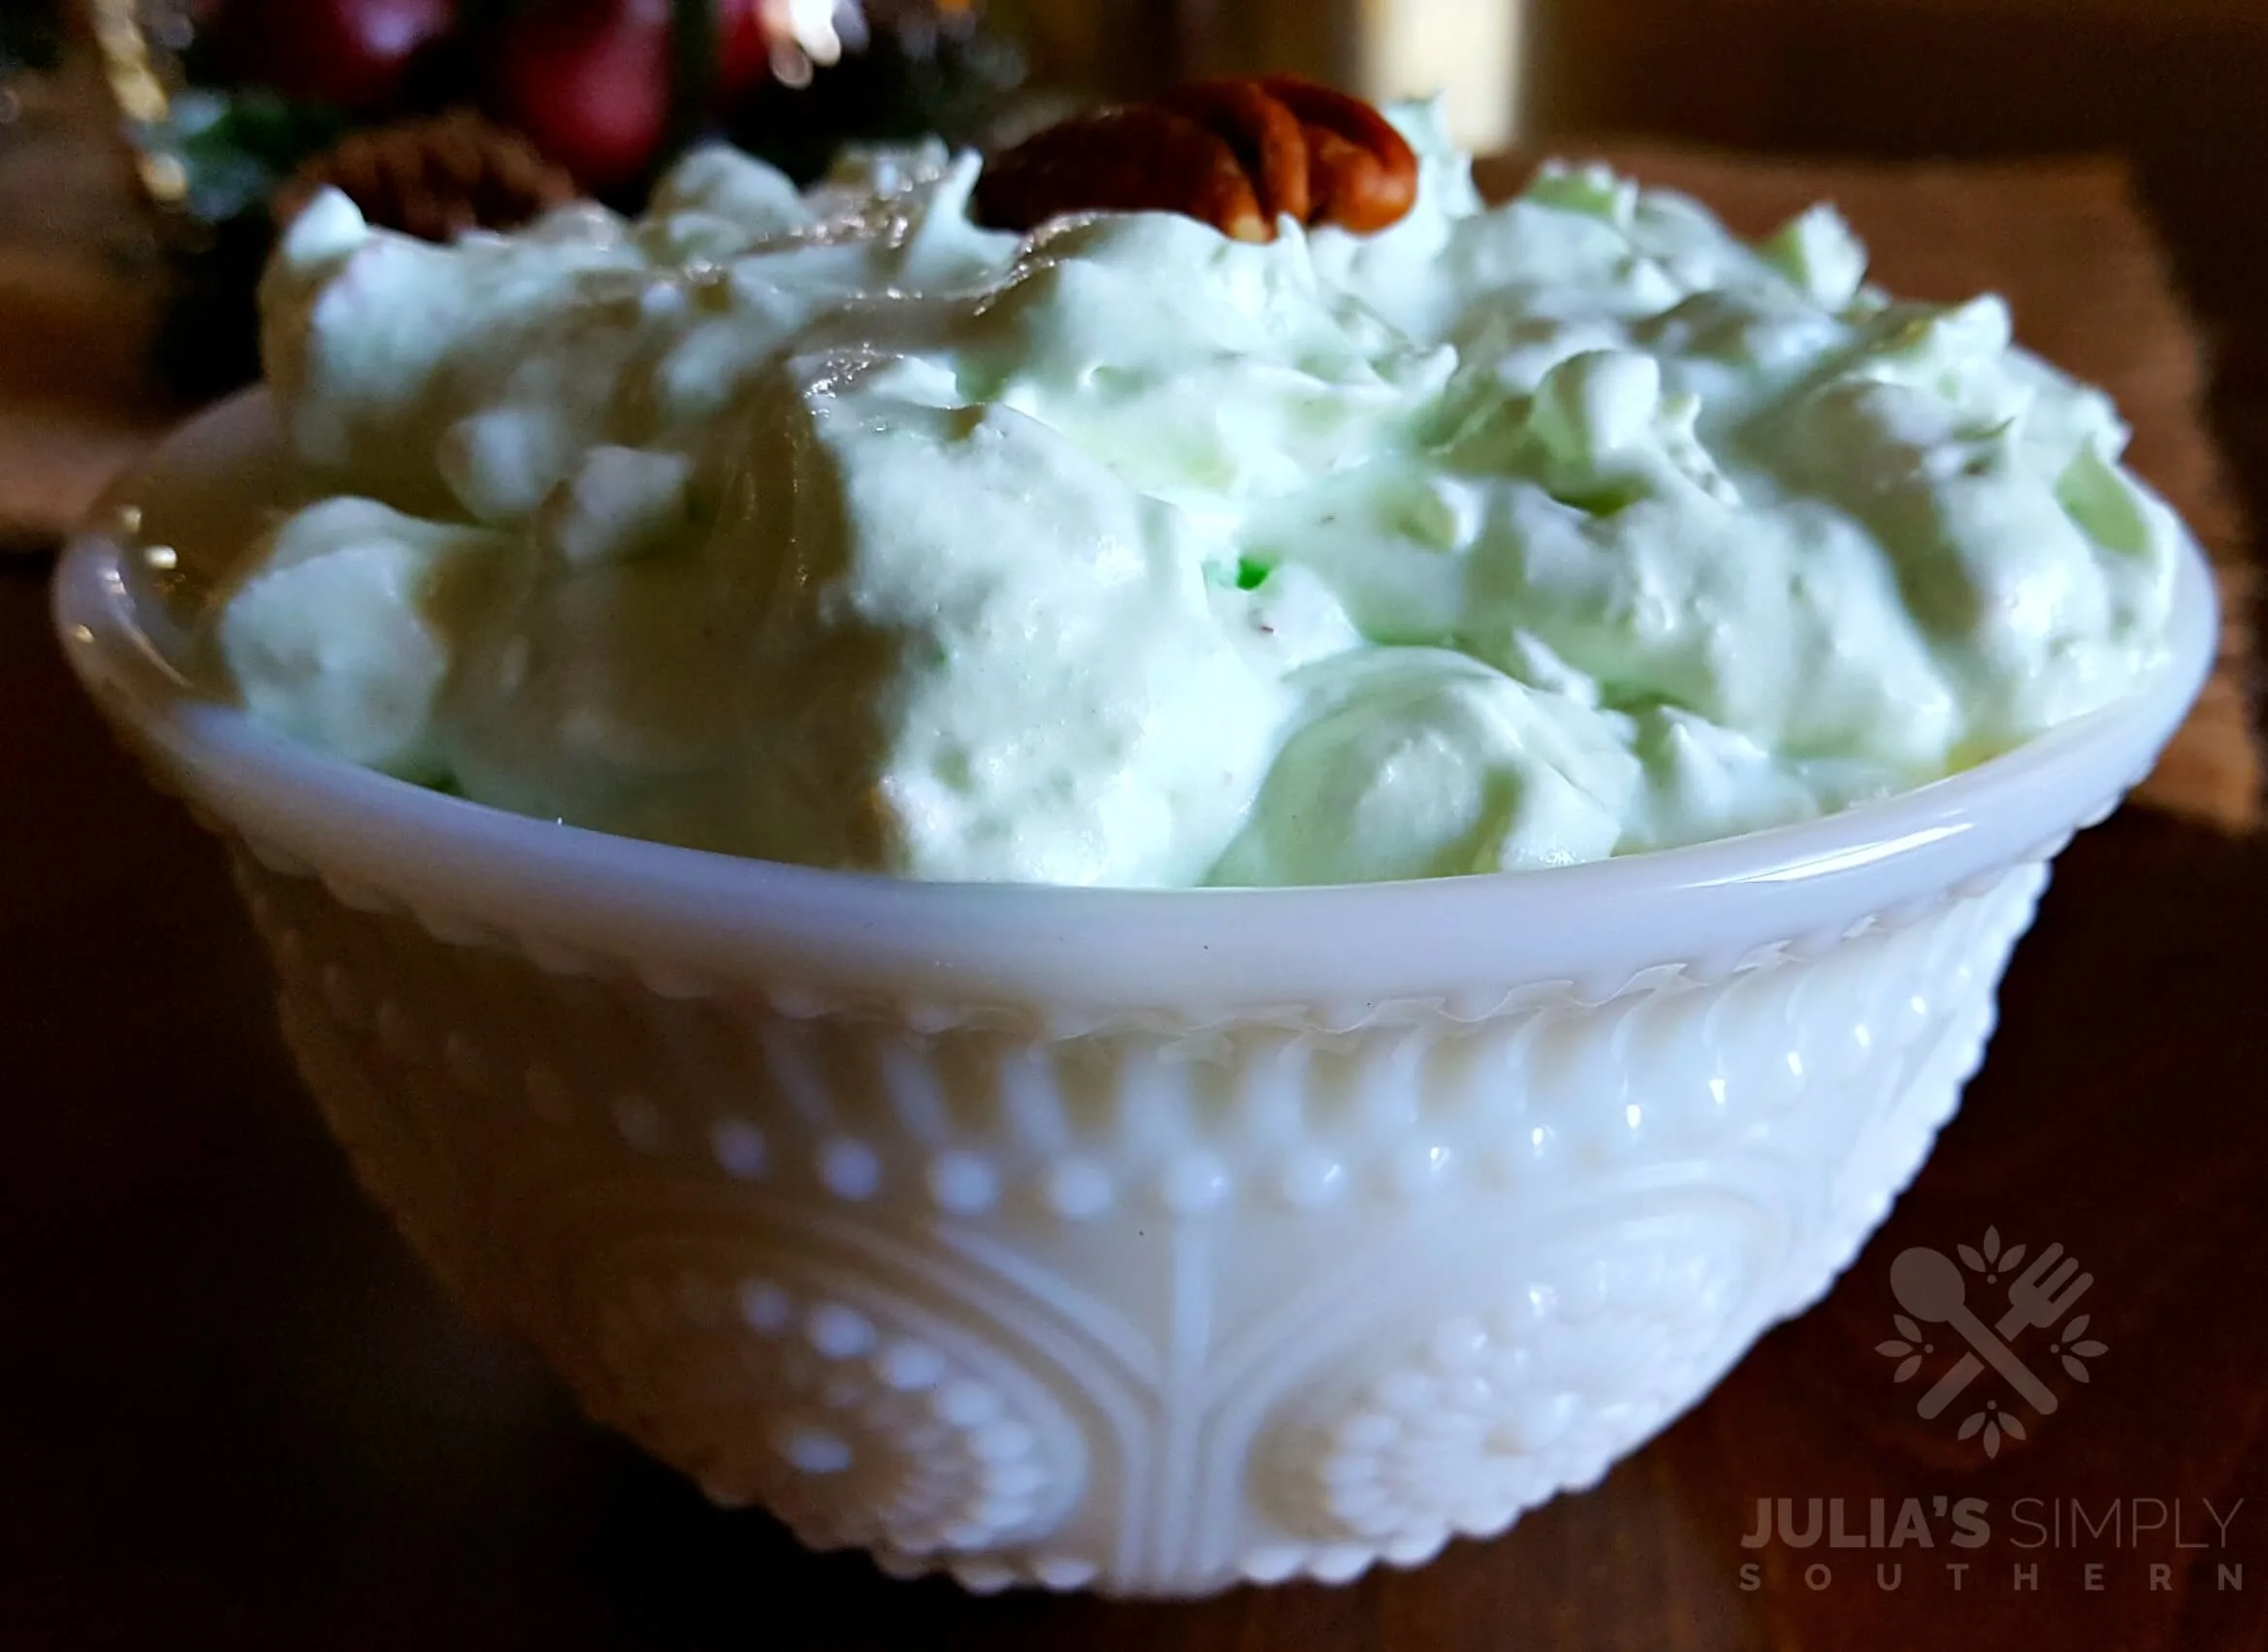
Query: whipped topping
[{"x": 831, "y": 528}]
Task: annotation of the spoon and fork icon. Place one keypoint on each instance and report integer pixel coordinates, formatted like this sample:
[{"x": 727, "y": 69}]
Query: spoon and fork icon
[{"x": 1929, "y": 1285}]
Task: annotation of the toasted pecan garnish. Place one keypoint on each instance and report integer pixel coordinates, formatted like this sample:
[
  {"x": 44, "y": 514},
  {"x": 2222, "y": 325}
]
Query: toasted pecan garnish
[
  {"x": 1236, "y": 155},
  {"x": 1142, "y": 159},
  {"x": 1265, "y": 135},
  {"x": 1362, "y": 173},
  {"x": 433, "y": 176}
]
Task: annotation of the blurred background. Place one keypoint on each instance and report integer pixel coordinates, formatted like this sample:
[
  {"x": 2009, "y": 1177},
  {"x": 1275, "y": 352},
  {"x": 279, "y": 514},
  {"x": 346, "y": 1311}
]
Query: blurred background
[{"x": 222, "y": 100}]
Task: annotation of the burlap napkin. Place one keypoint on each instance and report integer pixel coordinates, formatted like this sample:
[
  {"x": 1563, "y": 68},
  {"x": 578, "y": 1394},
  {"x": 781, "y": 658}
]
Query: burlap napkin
[
  {"x": 78, "y": 300},
  {"x": 2064, "y": 242}
]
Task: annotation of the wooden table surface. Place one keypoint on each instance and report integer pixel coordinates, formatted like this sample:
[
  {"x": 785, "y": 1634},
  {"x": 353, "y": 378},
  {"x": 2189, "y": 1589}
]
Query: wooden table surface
[{"x": 236, "y": 1415}]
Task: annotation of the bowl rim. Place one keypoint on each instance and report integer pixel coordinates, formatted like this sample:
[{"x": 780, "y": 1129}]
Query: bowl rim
[{"x": 456, "y": 862}]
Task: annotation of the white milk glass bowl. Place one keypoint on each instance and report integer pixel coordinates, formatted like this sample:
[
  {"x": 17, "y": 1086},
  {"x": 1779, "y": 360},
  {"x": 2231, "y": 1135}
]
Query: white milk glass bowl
[{"x": 1142, "y": 1241}]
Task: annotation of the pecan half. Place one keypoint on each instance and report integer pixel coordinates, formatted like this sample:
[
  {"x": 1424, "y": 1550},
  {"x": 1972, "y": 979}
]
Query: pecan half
[
  {"x": 1142, "y": 159},
  {"x": 1265, "y": 135},
  {"x": 1362, "y": 175},
  {"x": 1236, "y": 154}
]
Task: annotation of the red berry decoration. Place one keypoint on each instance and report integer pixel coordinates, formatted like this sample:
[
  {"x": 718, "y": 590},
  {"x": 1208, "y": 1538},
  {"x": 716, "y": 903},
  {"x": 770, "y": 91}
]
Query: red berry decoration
[
  {"x": 744, "y": 46},
  {"x": 589, "y": 81},
  {"x": 354, "y": 53}
]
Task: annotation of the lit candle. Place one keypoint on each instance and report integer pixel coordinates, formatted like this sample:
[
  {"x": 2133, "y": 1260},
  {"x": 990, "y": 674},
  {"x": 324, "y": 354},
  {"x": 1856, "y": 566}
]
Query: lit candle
[{"x": 1468, "y": 50}]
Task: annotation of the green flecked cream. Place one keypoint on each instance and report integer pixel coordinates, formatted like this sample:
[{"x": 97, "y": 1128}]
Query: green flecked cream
[{"x": 831, "y": 528}]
